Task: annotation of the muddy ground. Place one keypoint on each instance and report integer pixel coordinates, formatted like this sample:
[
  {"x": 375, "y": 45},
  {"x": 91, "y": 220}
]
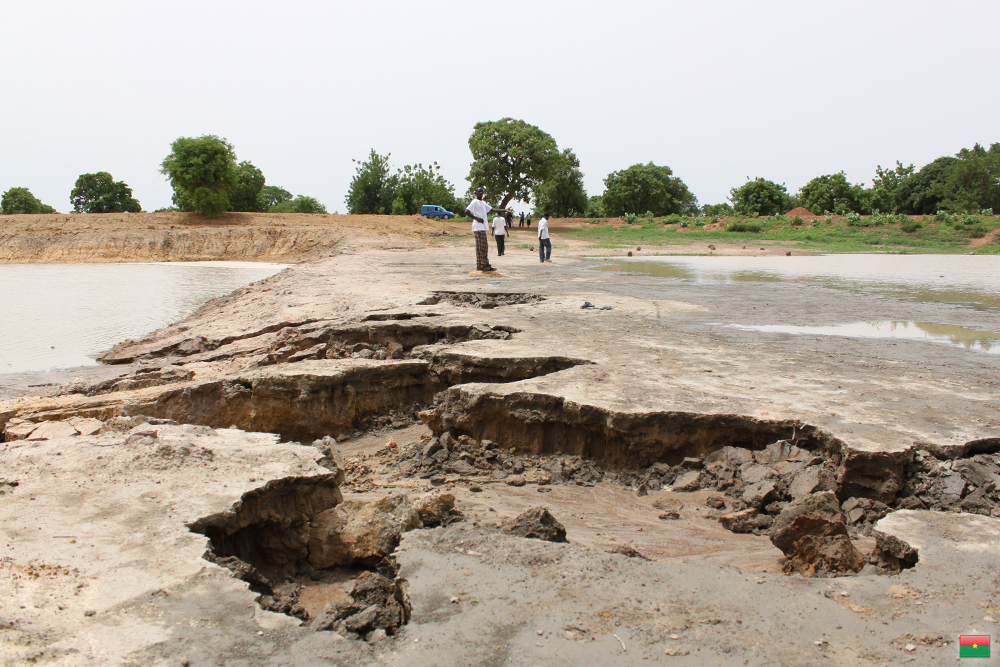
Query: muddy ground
[{"x": 378, "y": 345}]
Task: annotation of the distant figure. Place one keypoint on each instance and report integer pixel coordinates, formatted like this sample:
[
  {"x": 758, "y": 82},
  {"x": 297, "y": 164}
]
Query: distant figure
[
  {"x": 527, "y": 221},
  {"x": 479, "y": 210},
  {"x": 544, "y": 243},
  {"x": 500, "y": 233},
  {"x": 510, "y": 218},
  {"x": 521, "y": 223}
]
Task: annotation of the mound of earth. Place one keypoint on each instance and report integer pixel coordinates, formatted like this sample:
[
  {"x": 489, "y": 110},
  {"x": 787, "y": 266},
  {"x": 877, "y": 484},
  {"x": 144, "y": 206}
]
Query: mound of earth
[{"x": 802, "y": 212}]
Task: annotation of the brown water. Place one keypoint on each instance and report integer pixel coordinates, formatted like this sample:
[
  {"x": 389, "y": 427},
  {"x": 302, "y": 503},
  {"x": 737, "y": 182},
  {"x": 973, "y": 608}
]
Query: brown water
[
  {"x": 969, "y": 280},
  {"x": 62, "y": 315}
]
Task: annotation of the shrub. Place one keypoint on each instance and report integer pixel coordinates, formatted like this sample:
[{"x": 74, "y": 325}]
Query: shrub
[
  {"x": 671, "y": 219},
  {"x": 300, "y": 204},
  {"x": 630, "y": 218},
  {"x": 974, "y": 226},
  {"x": 910, "y": 225},
  {"x": 855, "y": 220},
  {"x": 798, "y": 221},
  {"x": 745, "y": 226}
]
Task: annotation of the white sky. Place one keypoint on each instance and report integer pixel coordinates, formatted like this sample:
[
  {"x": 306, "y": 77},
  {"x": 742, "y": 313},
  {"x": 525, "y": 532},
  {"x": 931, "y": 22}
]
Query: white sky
[{"x": 719, "y": 91}]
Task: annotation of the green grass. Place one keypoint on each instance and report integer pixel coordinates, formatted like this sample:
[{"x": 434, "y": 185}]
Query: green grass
[{"x": 884, "y": 234}]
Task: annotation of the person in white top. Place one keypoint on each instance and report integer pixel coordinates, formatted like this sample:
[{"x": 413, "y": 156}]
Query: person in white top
[
  {"x": 479, "y": 211},
  {"x": 544, "y": 243},
  {"x": 500, "y": 233}
]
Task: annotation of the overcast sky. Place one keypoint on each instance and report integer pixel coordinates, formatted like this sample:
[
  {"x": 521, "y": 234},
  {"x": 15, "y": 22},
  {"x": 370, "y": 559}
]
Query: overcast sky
[{"x": 719, "y": 91}]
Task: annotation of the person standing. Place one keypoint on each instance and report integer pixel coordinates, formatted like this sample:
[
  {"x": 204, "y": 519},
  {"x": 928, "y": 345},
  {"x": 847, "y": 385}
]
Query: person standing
[
  {"x": 479, "y": 211},
  {"x": 544, "y": 242},
  {"x": 527, "y": 221},
  {"x": 521, "y": 221},
  {"x": 500, "y": 233}
]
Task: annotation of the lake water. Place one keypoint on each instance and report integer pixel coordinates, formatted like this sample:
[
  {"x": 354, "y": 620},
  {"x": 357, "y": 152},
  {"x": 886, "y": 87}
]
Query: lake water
[{"x": 63, "y": 315}]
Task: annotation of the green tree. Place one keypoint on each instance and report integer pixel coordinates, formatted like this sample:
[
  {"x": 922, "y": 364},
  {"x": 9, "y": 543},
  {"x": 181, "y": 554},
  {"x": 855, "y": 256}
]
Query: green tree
[
  {"x": 759, "y": 197},
  {"x": 562, "y": 193},
  {"x": 373, "y": 187},
  {"x": 831, "y": 193},
  {"x": 886, "y": 194},
  {"x": 646, "y": 187},
  {"x": 271, "y": 195},
  {"x": 301, "y": 204},
  {"x": 511, "y": 159},
  {"x": 917, "y": 193},
  {"x": 717, "y": 210},
  {"x": 249, "y": 184},
  {"x": 101, "y": 193},
  {"x": 595, "y": 207},
  {"x": 418, "y": 185},
  {"x": 20, "y": 200},
  {"x": 202, "y": 171},
  {"x": 973, "y": 182}
]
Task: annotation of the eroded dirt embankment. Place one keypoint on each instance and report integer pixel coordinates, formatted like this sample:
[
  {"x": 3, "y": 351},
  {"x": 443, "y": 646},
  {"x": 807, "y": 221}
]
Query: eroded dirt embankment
[
  {"x": 190, "y": 237},
  {"x": 646, "y": 429}
]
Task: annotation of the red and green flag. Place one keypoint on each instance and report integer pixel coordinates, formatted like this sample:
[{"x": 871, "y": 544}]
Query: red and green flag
[{"x": 974, "y": 646}]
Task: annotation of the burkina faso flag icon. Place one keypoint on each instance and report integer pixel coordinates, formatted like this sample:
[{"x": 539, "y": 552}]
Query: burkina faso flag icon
[{"x": 974, "y": 646}]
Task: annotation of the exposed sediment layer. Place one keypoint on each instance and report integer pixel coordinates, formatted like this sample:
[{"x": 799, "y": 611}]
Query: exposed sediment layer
[
  {"x": 268, "y": 527},
  {"x": 190, "y": 237},
  {"x": 544, "y": 423},
  {"x": 309, "y": 398},
  {"x": 535, "y": 422}
]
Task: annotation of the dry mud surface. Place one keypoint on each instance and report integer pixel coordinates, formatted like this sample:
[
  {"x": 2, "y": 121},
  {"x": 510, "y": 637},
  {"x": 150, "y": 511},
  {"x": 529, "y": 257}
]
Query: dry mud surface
[{"x": 638, "y": 427}]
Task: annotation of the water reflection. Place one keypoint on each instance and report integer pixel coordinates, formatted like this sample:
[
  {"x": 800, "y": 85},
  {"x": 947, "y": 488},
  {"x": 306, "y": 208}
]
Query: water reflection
[
  {"x": 972, "y": 280},
  {"x": 61, "y": 315},
  {"x": 986, "y": 341}
]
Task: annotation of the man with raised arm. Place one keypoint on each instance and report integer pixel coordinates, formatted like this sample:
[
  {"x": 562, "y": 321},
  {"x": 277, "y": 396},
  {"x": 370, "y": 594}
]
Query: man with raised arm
[{"x": 479, "y": 211}]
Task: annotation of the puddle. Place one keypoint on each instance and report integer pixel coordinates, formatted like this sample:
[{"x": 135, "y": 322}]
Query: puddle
[
  {"x": 969, "y": 280},
  {"x": 984, "y": 341}
]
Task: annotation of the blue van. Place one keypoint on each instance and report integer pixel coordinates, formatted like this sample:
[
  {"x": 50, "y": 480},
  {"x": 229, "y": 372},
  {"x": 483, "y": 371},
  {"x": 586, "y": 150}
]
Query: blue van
[{"x": 431, "y": 211}]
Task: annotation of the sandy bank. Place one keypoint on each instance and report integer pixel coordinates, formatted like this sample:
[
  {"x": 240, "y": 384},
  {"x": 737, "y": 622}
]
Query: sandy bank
[{"x": 188, "y": 237}]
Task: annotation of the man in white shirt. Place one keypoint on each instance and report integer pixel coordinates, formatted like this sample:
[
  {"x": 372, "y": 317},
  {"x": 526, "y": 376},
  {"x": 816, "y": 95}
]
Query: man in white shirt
[
  {"x": 544, "y": 243},
  {"x": 500, "y": 233},
  {"x": 479, "y": 211}
]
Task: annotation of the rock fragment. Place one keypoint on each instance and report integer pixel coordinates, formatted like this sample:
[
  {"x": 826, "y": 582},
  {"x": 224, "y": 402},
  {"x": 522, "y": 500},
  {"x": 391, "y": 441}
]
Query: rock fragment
[
  {"x": 365, "y": 533},
  {"x": 536, "y": 523},
  {"x": 436, "y": 509},
  {"x": 812, "y": 534}
]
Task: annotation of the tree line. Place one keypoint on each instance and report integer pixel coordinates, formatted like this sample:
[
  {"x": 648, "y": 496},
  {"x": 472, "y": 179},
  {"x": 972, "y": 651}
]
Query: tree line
[
  {"x": 515, "y": 160},
  {"x": 968, "y": 182},
  {"x": 205, "y": 177}
]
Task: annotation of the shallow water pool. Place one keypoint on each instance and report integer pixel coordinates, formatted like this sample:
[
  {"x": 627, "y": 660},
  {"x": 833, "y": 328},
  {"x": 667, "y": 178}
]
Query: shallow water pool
[
  {"x": 986, "y": 341},
  {"x": 970, "y": 280}
]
